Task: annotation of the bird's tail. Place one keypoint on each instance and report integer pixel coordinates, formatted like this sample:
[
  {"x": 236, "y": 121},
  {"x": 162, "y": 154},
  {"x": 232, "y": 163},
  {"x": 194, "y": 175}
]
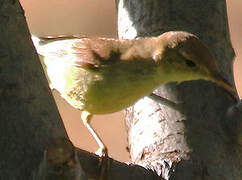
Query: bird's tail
[{"x": 38, "y": 43}]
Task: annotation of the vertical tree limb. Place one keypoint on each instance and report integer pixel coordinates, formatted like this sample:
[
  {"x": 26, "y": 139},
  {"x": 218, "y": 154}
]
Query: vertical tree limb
[
  {"x": 29, "y": 118},
  {"x": 193, "y": 143}
]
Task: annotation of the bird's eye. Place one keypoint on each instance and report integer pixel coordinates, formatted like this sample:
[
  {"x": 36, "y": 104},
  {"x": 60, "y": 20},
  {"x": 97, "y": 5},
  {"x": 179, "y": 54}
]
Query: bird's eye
[{"x": 190, "y": 63}]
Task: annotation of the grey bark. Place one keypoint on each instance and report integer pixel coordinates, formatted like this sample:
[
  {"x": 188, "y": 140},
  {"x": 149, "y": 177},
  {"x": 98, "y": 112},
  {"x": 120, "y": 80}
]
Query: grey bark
[
  {"x": 29, "y": 118},
  {"x": 193, "y": 143},
  {"x": 71, "y": 163}
]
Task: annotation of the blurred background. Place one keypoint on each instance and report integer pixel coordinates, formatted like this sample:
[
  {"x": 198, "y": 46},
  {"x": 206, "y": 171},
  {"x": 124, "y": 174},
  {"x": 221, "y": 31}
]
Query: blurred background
[{"x": 98, "y": 18}]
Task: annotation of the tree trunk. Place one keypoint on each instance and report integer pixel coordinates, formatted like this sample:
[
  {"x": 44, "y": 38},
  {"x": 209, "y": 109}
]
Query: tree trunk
[
  {"x": 193, "y": 143},
  {"x": 29, "y": 117}
]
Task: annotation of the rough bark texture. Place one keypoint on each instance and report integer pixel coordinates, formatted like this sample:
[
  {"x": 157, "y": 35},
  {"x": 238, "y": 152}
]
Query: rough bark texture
[
  {"x": 29, "y": 118},
  {"x": 193, "y": 143},
  {"x": 63, "y": 161}
]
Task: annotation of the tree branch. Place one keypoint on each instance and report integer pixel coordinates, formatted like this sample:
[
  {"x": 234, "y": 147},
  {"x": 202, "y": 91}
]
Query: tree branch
[
  {"x": 63, "y": 160},
  {"x": 194, "y": 142}
]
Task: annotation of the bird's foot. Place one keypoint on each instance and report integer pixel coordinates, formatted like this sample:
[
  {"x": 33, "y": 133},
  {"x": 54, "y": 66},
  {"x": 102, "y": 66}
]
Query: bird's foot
[
  {"x": 102, "y": 152},
  {"x": 104, "y": 162},
  {"x": 176, "y": 106}
]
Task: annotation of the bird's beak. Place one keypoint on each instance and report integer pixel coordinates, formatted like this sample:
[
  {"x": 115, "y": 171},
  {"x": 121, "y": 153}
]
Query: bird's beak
[{"x": 217, "y": 78}]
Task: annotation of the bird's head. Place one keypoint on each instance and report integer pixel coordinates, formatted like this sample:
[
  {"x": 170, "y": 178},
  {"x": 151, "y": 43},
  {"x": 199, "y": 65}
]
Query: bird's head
[{"x": 184, "y": 57}]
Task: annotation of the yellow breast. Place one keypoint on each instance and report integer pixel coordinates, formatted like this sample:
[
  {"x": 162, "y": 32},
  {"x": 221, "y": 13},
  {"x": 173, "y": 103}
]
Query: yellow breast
[{"x": 104, "y": 89}]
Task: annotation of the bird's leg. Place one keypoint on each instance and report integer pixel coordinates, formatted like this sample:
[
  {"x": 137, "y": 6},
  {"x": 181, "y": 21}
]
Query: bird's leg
[
  {"x": 104, "y": 164},
  {"x": 86, "y": 119},
  {"x": 166, "y": 102}
]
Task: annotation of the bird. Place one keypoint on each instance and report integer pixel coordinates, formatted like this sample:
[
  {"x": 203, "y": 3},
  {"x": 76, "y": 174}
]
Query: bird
[{"x": 105, "y": 75}]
